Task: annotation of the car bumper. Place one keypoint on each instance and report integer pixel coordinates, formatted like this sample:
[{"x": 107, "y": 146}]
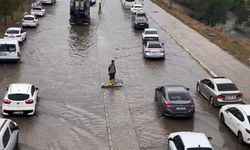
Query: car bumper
[
  {"x": 225, "y": 102},
  {"x": 37, "y": 14},
  {"x": 141, "y": 25},
  {"x": 169, "y": 112},
  {"x": 155, "y": 55},
  {"x": 29, "y": 24},
  {"x": 19, "y": 39},
  {"x": 18, "y": 111},
  {"x": 14, "y": 59}
]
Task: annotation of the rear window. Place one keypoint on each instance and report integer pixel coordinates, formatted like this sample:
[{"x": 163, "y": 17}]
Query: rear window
[
  {"x": 37, "y": 8},
  {"x": 154, "y": 45},
  {"x": 152, "y": 39},
  {"x": 227, "y": 87},
  {"x": 7, "y": 47},
  {"x": 141, "y": 15},
  {"x": 150, "y": 32},
  {"x": 200, "y": 148},
  {"x": 178, "y": 96},
  {"x": 18, "y": 97},
  {"x": 13, "y": 32},
  {"x": 138, "y": 7},
  {"x": 130, "y": 0},
  {"x": 28, "y": 18}
]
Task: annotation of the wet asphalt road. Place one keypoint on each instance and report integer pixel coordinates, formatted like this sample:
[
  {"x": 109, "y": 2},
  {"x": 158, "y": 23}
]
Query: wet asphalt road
[{"x": 66, "y": 63}]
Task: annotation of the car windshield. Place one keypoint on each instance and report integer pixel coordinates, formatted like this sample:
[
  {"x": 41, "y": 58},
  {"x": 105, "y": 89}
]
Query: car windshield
[
  {"x": 178, "y": 96},
  {"x": 150, "y": 32},
  {"x": 138, "y": 6},
  {"x": 227, "y": 87},
  {"x": 154, "y": 45},
  {"x": 37, "y": 8},
  {"x": 18, "y": 97},
  {"x": 12, "y": 32},
  {"x": 7, "y": 47},
  {"x": 151, "y": 38},
  {"x": 130, "y": 0},
  {"x": 141, "y": 15},
  {"x": 28, "y": 18},
  {"x": 200, "y": 148}
]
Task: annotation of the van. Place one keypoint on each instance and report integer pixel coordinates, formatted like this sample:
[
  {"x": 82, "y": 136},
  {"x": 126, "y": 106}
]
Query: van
[
  {"x": 9, "y": 50},
  {"x": 9, "y": 132}
]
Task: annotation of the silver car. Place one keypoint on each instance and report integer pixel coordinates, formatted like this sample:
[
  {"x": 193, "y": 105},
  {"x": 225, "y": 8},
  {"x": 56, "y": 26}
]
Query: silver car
[
  {"x": 153, "y": 49},
  {"x": 220, "y": 91}
]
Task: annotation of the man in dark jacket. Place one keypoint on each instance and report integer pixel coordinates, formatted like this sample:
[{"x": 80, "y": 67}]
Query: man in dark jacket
[{"x": 112, "y": 71}]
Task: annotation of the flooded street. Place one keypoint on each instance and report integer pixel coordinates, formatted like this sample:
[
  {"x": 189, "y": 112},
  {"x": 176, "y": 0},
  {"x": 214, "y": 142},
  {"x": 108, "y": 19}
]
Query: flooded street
[{"x": 69, "y": 63}]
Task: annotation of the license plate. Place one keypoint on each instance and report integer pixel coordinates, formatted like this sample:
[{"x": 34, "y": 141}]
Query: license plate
[
  {"x": 231, "y": 97},
  {"x": 12, "y": 36},
  {"x": 180, "y": 108},
  {"x": 18, "y": 112}
]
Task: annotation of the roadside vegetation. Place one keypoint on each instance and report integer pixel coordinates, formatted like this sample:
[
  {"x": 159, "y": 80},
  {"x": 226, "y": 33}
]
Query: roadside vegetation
[
  {"x": 11, "y": 12},
  {"x": 202, "y": 16}
]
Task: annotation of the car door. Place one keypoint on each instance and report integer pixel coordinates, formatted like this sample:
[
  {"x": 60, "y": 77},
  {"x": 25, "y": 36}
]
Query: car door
[
  {"x": 6, "y": 140},
  {"x": 13, "y": 135},
  {"x": 23, "y": 34},
  {"x": 162, "y": 97},
  {"x": 176, "y": 143},
  {"x": 34, "y": 93},
  {"x": 202, "y": 86},
  {"x": 210, "y": 89},
  {"x": 237, "y": 121},
  {"x": 230, "y": 117}
]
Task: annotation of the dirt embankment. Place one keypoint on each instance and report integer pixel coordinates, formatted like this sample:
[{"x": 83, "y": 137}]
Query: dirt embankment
[
  {"x": 238, "y": 47},
  {"x": 18, "y": 12}
]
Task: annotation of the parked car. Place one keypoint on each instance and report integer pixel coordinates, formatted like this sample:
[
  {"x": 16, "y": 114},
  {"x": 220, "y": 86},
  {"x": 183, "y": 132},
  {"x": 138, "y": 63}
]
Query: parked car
[
  {"x": 219, "y": 91},
  {"x": 237, "y": 118},
  {"x": 127, "y": 4},
  {"x": 149, "y": 34},
  {"x": 15, "y": 33},
  {"x": 9, "y": 50},
  {"x": 189, "y": 141},
  {"x": 19, "y": 99},
  {"x": 140, "y": 20},
  {"x": 48, "y": 1},
  {"x": 9, "y": 133},
  {"x": 38, "y": 11},
  {"x": 153, "y": 49},
  {"x": 135, "y": 8},
  {"x": 29, "y": 21},
  {"x": 175, "y": 101}
]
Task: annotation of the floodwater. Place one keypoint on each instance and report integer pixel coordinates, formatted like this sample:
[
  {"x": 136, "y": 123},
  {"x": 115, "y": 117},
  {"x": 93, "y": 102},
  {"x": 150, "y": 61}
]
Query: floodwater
[{"x": 68, "y": 64}]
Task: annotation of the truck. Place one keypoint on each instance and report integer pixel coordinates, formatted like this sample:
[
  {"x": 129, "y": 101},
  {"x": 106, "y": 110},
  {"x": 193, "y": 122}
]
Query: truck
[{"x": 79, "y": 12}]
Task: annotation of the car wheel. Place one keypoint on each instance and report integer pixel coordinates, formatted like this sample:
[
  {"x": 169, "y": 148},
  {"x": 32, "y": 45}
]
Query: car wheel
[
  {"x": 240, "y": 137},
  {"x": 222, "y": 119}
]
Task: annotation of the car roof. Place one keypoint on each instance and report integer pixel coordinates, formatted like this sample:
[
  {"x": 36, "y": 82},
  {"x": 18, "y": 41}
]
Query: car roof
[
  {"x": 29, "y": 16},
  {"x": 219, "y": 80},
  {"x": 14, "y": 28},
  {"x": 19, "y": 88},
  {"x": 175, "y": 88},
  {"x": 8, "y": 41},
  {"x": 153, "y": 42},
  {"x": 150, "y": 29},
  {"x": 194, "y": 139}
]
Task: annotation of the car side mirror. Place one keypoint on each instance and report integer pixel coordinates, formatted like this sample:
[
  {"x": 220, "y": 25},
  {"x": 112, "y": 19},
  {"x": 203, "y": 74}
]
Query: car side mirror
[
  {"x": 37, "y": 89},
  {"x": 162, "y": 43},
  {"x": 15, "y": 128},
  {"x": 210, "y": 138}
]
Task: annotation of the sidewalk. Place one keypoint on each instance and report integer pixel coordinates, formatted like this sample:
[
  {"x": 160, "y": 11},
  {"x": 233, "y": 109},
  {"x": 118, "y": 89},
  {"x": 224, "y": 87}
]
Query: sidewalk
[{"x": 214, "y": 60}]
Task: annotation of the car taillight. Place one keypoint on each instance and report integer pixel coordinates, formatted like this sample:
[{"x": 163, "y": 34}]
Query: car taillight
[
  {"x": 29, "y": 101},
  {"x": 221, "y": 97},
  {"x": 168, "y": 105},
  {"x": 6, "y": 101},
  {"x": 193, "y": 105},
  {"x": 248, "y": 131},
  {"x": 239, "y": 96},
  {"x": 18, "y": 35}
]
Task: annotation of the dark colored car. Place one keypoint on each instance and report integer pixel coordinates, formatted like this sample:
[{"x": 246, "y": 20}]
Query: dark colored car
[{"x": 175, "y": 101}]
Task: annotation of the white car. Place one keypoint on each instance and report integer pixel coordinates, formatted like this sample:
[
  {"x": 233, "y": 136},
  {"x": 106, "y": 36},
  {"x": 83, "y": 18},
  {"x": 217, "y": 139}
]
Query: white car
[
  {"x": 150, "y": 33},
  {"x": 48, "y": 1},
  {"x": 153, "y": 49},
  {"x": 189, "y": 141},
  {"x": 127, "y": 4},
  {"x": 136, "y": 7},
  {"x": 15, "y": 33},
  {"x": 38, "y": 11},
  {"x": 237, "y": 118},
  {"x": 29, "y": 21},
  {"x": 9, "y": 50},
  {"x": 9, "y": 133},
  {"x": 19, "y": 99}
]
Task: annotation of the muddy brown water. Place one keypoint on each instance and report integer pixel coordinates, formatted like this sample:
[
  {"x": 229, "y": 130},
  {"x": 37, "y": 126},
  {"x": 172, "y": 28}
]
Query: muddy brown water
[{"x": 64, "y": 62}]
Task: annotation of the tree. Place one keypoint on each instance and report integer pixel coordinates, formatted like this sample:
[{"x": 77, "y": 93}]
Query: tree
[{"x": 5, "y": 9}]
